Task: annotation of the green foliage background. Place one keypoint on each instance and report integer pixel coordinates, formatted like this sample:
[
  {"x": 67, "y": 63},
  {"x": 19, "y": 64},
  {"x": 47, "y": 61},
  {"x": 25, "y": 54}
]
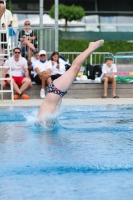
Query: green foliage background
[
  {"x": 9, "y": 6},
  {"x": 81, "y": 45},
  {"x": 68, "y": 12}
]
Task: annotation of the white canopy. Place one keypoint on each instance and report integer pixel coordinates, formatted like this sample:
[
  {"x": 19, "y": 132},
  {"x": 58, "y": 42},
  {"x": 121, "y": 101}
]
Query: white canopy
[{"x": 48, "y": 21}]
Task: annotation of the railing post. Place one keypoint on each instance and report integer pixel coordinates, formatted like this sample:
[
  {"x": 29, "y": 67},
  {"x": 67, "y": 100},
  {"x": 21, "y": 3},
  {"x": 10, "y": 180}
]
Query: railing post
[
  {"x": 41, "y": 24},
  {"x": 91, "y": 59},
  {"x": 56, "y": 25}
]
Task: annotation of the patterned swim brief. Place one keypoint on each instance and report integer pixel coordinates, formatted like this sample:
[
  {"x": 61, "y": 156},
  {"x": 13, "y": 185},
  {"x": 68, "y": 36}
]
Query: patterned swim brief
[{"x": 52, "y": 89}]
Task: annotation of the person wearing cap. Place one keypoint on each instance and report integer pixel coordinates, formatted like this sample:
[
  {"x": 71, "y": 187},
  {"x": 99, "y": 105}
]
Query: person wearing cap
[
  {"x": 109, "y": 69},
  {"x": 58, "y": 88},
  {"x": 42, "y": 74}
]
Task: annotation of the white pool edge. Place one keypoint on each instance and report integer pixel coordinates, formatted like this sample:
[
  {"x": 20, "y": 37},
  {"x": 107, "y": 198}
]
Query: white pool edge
[{"x": 91, "y": 101}]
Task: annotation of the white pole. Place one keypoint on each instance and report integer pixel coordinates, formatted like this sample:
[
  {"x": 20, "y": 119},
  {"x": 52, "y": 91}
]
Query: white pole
[
  {"x": 56, "y": 25},
  {"x": 41, "y": 24}
]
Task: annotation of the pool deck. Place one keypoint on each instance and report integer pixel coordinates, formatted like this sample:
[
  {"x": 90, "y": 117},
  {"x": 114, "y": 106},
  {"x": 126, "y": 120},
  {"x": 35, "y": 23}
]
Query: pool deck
[{"x": 90, "y": 101}]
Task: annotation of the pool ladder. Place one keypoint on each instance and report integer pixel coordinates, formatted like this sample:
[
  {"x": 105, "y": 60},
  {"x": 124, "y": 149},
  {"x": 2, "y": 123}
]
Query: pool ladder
[{"x": 2, "y": 55}]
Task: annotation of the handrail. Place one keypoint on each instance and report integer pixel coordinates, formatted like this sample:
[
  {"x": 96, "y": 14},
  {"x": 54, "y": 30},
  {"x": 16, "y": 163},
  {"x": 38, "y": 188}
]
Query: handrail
[
  {"x": 121, "y": 56},
  {"x": 71, "y": 56},
  {"x": 124, "y": 55},
  {"x": 99, "y": 53}
]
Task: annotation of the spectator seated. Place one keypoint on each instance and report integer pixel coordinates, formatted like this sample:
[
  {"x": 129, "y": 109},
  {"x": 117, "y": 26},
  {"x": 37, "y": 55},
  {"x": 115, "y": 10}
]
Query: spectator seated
[{"x": 27, "y": 40}]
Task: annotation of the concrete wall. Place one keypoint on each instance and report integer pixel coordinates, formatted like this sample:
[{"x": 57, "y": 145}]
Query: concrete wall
[{"x": 82, "y": 90}]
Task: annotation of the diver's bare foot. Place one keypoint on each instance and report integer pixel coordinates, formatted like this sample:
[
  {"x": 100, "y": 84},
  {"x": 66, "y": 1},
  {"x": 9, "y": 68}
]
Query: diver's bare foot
[{"x": 96, "y": 45}]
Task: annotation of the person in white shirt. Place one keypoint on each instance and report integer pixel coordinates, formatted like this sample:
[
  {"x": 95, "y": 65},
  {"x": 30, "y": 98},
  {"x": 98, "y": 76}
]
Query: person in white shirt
[
  {"x": 35, "y": 57},
  {"x": 109, "y": 69},
  {"x": 42, "y": 74},
  {"x": 18, "y": 66},
  {"x": 2, "y": 8},
  {"x": 6, "y": 20},
  {"x": 27, "y": 39},
  {"x": 33, "y": 60},
  {"x": 58, "y": 66}
]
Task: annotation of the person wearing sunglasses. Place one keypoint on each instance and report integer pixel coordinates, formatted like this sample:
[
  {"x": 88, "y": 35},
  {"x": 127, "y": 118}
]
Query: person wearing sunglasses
[
  {"x": 18, "y": 67},
  {"x": 27, "y": 38},
  {"x": 42, "y": 74}
]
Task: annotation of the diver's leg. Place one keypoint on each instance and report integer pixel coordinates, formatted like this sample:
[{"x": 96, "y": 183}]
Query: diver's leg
[{"x": 64, "y": 82}]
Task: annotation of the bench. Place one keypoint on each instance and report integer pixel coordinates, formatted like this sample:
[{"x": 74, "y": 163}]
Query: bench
[{"x": 83, "y": 90}]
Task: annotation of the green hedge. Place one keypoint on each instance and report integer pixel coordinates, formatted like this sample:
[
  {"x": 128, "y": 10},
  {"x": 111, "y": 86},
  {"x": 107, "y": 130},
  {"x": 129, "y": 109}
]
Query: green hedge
[{"x": 81, "y": 45}]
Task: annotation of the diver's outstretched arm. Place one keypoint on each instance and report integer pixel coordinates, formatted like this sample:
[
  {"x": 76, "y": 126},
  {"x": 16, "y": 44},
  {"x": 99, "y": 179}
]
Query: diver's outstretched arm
[{"x": 64, "y": 82}]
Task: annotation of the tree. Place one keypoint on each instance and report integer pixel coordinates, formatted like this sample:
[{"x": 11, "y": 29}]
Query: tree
[
  {"x": 68, "y": 13},
  {"x": 9, "y": 6}
]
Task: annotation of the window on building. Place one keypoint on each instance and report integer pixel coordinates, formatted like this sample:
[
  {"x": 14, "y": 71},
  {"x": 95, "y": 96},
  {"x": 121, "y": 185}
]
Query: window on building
[
  {"x": 91, "y": 22},
  {"x": 123, "y": 5},
  {"x": 115, "y": 5},
  {"x": 32, "y": 6},
  {"x": 125, "y": 23},
  {"x": 108, "y": 23},
  {"x": 104, "y": 5},
  {"x": 88, "y": 5},
  {"x": 25, "y": 5}
]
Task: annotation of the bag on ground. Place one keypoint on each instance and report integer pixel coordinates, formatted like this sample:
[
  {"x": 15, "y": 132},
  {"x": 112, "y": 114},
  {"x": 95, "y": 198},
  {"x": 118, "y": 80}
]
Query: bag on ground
[{"x": 92, "y": 71}]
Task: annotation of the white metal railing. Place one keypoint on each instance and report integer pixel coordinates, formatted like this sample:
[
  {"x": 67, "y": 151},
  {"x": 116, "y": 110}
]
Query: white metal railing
[
  {"x": 94, "y": 58},
  {"x": 124, "y": 58},
  {"x": 99, "y": 57}
]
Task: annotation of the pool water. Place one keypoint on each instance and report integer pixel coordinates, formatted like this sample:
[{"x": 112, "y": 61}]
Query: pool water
[{"x": 89, "y": 156}]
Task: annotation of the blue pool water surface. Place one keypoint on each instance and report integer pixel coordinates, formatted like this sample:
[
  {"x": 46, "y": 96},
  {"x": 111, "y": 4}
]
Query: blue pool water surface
[{"x": 89, "y": 156}]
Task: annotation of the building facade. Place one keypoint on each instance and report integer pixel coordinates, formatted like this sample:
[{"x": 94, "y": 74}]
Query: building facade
[
  {"x": 116, "y": 7},
  {"x": 101, "y": 15}
]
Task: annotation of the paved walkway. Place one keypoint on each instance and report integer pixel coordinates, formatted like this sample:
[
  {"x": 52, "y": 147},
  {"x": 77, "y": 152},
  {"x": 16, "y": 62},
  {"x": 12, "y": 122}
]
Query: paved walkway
[{"x": 37, "y": 102}]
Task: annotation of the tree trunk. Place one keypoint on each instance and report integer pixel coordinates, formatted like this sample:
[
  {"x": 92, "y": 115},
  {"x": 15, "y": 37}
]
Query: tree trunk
[{"x": 65, "y": 24}]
